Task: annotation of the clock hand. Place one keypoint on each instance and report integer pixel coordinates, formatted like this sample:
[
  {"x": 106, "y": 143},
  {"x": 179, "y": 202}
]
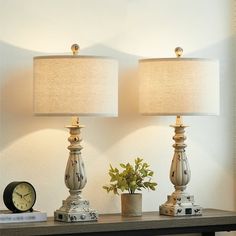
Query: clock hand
[
  {"x": 26, "y": 194},
  {"x": 19, "y": 194},
  {"x": 26, "y": 199}
]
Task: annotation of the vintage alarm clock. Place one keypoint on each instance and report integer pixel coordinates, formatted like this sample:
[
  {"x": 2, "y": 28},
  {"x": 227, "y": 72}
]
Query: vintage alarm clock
[{"x": 19, "y": 196}]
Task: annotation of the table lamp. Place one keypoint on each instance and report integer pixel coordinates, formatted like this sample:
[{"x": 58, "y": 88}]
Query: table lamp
[
  {"x": 73, "y": 85},
  {"x": 179, "y": 86}
]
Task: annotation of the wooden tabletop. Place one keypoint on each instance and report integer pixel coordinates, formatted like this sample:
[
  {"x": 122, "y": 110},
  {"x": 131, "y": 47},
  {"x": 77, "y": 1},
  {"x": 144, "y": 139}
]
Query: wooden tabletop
[{"x": 217, "y": 220}]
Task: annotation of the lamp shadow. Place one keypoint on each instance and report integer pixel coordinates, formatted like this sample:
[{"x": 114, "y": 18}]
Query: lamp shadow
[{"x": 17, "y": 118}]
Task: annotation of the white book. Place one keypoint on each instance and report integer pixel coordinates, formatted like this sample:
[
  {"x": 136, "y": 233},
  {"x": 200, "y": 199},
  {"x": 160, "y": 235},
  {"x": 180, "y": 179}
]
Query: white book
[{"x": 9, "y": 217}]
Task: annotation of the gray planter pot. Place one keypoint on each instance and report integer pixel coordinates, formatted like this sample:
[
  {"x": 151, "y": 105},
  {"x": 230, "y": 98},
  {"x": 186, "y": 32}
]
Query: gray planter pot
[{"x": 131, "y": 204}]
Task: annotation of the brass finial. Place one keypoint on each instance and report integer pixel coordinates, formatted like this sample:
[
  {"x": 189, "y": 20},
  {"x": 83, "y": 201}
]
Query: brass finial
[
  {"x": 75, "y": 49},
  {"x": 179, "y": 51}
]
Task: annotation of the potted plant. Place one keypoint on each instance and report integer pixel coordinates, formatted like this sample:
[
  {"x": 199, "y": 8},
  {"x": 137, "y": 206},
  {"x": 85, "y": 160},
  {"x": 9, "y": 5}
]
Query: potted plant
[{"x": 131, "y": 178}]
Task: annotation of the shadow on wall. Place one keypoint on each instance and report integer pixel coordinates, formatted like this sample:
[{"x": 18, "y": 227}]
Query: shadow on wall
[
  {"x": 213, "y": 125},
  {"x": 17, "y": 118}
]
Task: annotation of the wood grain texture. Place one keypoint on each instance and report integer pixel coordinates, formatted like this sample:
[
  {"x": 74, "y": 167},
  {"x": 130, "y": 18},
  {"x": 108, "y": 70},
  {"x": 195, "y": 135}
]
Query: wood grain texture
[{"x": 150, "y": 223}]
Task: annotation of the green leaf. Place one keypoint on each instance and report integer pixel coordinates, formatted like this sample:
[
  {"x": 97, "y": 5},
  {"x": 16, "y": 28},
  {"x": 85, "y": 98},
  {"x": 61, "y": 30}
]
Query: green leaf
[
  {"x": 111, "y": 168},
  {"x": 150, "y": 173}
]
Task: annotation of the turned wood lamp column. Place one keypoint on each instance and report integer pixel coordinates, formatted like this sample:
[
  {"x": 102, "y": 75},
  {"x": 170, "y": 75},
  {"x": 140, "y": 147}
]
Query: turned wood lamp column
[
  {"x": 75, "y": 208},
  {"x": 179, "y": 86},
  {"x": 179, "y": 172},
  {"x": 75, "y": 85},
  {"x": 180, "y": 202}
]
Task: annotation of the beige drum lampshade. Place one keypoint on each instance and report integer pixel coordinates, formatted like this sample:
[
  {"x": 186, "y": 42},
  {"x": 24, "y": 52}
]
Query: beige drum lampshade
[
  {"x": 75, "y": 85},
  {"x": 178, "y": 86}
]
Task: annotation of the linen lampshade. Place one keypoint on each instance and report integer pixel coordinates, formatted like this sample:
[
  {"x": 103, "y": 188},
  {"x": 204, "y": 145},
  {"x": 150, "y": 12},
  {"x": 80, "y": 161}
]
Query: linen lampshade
[
  {"x": 179, "y": 86},
  {"x": 75, "y": 85}
]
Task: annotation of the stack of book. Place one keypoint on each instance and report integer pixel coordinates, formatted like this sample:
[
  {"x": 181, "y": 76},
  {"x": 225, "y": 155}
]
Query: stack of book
[{"x": 9, "y": 217}]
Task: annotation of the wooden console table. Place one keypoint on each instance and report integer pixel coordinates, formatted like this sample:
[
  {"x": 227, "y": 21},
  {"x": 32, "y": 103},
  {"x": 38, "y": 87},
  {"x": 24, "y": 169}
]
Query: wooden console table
[{"x": 151, "y": 223}]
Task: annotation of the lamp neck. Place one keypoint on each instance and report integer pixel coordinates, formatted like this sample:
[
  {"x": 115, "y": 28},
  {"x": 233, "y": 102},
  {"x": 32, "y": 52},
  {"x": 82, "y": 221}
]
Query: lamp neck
[
  {"x": 179, "y": 121},
  {"x": 74, "y": 120}
]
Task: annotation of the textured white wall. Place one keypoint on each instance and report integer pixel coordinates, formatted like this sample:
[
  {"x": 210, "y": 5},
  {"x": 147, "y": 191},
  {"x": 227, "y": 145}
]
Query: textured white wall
[{"x": 34, "y": 148}]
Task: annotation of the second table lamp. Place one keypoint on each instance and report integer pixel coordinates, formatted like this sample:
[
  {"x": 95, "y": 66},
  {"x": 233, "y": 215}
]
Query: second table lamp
[{"x": 179, "y": 86}]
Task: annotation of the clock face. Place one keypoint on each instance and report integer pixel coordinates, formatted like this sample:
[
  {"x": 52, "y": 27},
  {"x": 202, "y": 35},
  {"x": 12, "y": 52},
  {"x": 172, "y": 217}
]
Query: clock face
[
  {"x": 19, "y": 196},
  {"x": 23, "y": 196}
]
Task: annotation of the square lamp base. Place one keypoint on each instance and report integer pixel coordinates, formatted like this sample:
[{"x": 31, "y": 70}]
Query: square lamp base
[
  {"x": 180, "y": 204},
  {"x": 75, "y": 212}
]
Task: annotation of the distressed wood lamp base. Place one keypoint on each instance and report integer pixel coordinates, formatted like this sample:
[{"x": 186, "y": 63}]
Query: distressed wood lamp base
[
  {"x": 75, "y": 212},
  {"x": 83, "y": 215},
  {"x": 75, "y": 209},
  {"x": 180, "y": 203}
]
